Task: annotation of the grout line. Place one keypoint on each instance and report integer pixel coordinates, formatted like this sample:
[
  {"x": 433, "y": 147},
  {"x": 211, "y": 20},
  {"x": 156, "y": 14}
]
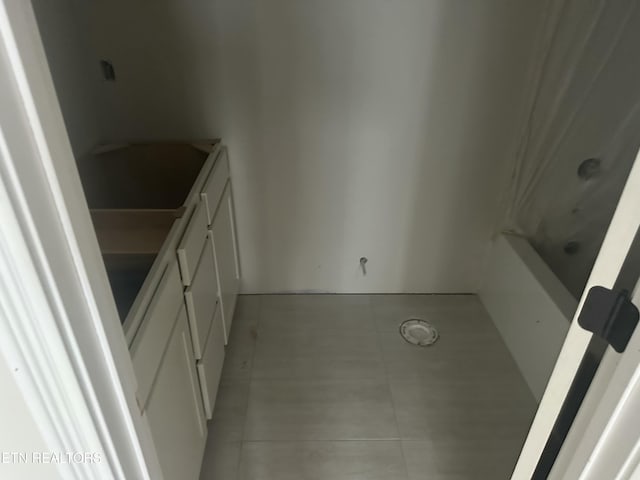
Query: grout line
[
  {"x": 250, "y": 381},
  {"x": 372, "y": 294},
  {"x": 332, "y": 440},
  {"x": 255, "y": 341},
  {"x": 388, "y": 379}
]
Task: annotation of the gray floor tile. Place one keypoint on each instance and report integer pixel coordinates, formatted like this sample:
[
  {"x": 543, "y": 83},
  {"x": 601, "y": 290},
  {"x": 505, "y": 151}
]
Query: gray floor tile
[
  {"x": 301, "y": 313},
  {"x": 238, "y": 362},
  {"x": 319, "y": 410},
  {"x": 230, "y": 410},
  {"x": 387, "y": 319},
  {"x": 220, "y": 461},
  {"x": 353, "y": 319},
  {"x": 467, "y": 341},
  {"x": 242, "y": 342},
  {"x": 312, "y": 302},
  {"x": 459, "y": 460},
  {"x": 318, "y": 354},
  {"x": 351, "y": 460},
  {"x": 466, "y": 405},
  {"x": 248, "y": 308},
  {"x": 323, "y": 386},
  {"x": 457, "y": 302}
]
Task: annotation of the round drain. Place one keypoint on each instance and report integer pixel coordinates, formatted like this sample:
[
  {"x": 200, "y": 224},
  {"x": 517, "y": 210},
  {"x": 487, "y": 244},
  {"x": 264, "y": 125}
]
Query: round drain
[{"x": 418, "y": 332}]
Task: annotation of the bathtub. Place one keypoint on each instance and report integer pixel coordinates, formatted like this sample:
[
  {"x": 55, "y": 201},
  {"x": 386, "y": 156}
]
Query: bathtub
[{"x": 529, "y": 306}]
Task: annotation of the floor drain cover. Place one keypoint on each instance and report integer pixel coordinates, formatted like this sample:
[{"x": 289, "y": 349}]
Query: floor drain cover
[{"x": 418, "y": 332}]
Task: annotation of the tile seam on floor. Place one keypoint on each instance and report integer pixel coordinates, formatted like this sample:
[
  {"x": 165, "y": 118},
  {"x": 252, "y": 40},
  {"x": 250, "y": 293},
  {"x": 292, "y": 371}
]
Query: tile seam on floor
[
  {"x": 388, "y": 381},
  {"x": 333, "y": 440},
  {"x": 246, "y": 411},
  {"x": 400, "y": 436}
]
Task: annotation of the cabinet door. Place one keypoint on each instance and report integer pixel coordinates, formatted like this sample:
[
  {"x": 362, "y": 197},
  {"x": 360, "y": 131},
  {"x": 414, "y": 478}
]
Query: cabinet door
[
  {"x": 155, "y": 331},
  {"x": 224, "y": 247},
  {"x": 175, "y": 411},
  {"x": 210, "y": 366}
]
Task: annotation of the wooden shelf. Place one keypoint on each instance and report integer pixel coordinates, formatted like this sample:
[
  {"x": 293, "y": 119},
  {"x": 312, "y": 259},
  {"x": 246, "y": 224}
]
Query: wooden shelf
[{"x": 133, "y": 232}]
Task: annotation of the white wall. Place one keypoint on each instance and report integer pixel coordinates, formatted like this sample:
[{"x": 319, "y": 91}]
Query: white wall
[
  {"x": 356, "y": 127},
  {"x": 75, "y": 71}
]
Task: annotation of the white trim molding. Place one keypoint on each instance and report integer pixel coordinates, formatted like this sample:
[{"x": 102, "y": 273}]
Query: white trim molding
[
  {"x": 60, "y": 329},
  {"x": 31, "y": 344}
]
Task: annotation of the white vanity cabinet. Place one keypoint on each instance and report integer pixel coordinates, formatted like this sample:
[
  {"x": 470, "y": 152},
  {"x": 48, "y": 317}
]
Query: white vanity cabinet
[
  {"x": 217, "y": 196},
  {"x": 165, "y": 223}
]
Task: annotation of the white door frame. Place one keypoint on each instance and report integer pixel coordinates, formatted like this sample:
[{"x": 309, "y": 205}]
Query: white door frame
[
  {"x": 613, "y": 252},
  {"x": 59, "y": 328},
  {"x": 604, "y": 440}
]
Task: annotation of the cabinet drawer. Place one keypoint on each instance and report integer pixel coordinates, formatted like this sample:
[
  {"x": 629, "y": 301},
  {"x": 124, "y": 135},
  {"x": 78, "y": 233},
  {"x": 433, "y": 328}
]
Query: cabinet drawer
[
  {"x": 201, "y": 298},
  {"x": 210, "y": 366},
  {"x": 149, "y": 343},
  {"x": 214, "y": 186},
  {"x": 192, "y": 242}
]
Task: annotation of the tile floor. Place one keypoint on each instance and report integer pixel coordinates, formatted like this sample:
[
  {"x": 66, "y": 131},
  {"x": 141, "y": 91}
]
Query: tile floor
[{"x": 322, "y": 387}]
